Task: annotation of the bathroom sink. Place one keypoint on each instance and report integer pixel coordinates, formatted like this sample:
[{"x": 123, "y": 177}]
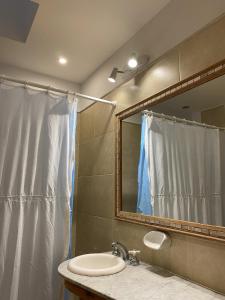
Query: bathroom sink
[{"x": 96, "y": 264}]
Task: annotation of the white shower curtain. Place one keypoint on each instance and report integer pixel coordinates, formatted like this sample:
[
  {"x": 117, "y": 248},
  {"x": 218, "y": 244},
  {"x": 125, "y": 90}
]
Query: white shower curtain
[
  {"x": 185, "y": 171},
  {"x": 36, "y": 157}
]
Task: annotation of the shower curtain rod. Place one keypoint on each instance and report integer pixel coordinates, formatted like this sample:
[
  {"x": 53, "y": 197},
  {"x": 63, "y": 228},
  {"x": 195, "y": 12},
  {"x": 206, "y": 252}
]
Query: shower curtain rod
[
  {"x": 49, "y": 88},
  {"x": 180, "y": 120}
]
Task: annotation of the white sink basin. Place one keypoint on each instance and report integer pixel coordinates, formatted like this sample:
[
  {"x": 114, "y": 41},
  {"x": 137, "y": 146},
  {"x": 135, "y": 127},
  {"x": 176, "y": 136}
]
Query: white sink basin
[{"x": 96, "y": 264}]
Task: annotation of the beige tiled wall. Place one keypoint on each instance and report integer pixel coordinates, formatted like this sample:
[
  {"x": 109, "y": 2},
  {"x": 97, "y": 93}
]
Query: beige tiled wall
[
  {"x": 95, "y": 200},
  {"x": 200, "y": 260}
]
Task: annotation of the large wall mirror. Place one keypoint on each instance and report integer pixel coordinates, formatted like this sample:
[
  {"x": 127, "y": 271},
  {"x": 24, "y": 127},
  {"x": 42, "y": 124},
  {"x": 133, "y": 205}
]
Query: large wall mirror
[{"x": 171, "y": 158}]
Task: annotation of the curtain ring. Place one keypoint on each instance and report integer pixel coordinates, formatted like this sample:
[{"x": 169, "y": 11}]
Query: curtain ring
[{"x": 26, "y": 85}]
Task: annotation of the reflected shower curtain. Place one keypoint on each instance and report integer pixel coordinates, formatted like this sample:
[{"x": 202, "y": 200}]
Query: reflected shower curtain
[
  {"x": 36, "y": 162},
  {"x": 184, "y": 165},
  {"x": 144, "y": 190}
]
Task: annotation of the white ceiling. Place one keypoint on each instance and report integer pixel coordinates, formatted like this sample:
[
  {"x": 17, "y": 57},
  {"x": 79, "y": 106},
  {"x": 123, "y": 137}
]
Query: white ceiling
[{"x": 87, "y": 32}]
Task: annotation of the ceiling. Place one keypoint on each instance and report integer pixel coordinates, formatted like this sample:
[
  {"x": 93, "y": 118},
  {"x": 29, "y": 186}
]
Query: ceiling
[{"x": 86, "y": 32}]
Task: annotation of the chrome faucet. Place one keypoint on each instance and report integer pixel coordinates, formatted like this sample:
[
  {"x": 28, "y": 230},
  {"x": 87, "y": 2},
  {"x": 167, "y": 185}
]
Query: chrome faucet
[{"x": 120, "y": 250}]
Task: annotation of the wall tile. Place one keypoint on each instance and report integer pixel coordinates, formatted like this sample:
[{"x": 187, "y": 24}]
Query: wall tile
[
  {"x": 86, "y": 158},
  {"x": 131, "y": 235},
  {"x": 162, "y": 74},
  {"x": 96, "y": 195},
  {"x": 177, "y": 255},
  {"x": 86, "y": 124},
  {"x": 103, "y": 118},
  {"x": 203, "y": 49},
  {"x": 97, "y": 156},
  {"x": 207, "y": 263},
  {"x": 125, "y": 95},
  {"x": 94, "y": 234}
]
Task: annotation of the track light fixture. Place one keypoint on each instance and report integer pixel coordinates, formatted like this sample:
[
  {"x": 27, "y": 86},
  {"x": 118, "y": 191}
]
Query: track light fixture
[
  {"x": 134, "y": 63},
  {"x": 113, "y": 75}
]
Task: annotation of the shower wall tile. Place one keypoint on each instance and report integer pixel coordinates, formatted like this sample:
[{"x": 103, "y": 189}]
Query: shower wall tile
[
  {"x": 96, "y": 195},
  {"x": 97, "y": 156},
  {"x": 97, "y": 120},
  {"x": 86, "y": 158},
  {"x": 203, "y": 49},
  {"x": 86, "y": 124},
  {"x": 103, "y": 118}
]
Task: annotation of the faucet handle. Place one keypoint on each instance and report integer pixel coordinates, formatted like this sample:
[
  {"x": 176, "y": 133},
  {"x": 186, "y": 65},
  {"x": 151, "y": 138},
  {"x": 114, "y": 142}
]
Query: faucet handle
[
  {"x": 134, "y": 252},
  {"x": 133, "y": 260}
]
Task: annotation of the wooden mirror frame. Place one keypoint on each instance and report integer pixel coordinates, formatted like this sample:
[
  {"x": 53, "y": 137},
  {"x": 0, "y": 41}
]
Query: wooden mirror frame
[{"x": 211, "y": 232}]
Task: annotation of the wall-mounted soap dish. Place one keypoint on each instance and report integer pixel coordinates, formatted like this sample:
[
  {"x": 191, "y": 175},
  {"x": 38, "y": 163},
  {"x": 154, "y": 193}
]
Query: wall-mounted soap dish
[{"x": 157, "y": 240}]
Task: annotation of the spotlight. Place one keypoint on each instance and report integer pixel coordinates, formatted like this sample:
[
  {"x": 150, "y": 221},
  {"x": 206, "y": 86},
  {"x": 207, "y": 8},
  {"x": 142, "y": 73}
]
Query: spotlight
[
  {"x": 112, "y": 77},
  {"x": 132, "y": 61},
  {"x": 62, "y": 60}
]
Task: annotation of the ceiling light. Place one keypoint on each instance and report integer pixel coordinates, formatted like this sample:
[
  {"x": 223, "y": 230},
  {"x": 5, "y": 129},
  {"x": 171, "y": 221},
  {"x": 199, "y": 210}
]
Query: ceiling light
[
  {"x": 132, "y": 61},
  {"x": 112, "y": 77},
  {"x": 62, "y": 60}
]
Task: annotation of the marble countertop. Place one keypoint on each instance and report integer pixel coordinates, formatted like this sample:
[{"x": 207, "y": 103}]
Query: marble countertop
[{"x": 143, "y": 282}]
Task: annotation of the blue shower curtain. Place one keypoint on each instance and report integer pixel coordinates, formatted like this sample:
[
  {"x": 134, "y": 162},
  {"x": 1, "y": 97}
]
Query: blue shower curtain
[
  {"x": 144, "y": 195},
  {"x": 73, "y": 122}
]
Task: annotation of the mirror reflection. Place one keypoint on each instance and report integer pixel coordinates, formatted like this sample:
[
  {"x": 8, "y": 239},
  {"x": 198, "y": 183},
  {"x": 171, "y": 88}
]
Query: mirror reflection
[{"x": 173, "y": 157}]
